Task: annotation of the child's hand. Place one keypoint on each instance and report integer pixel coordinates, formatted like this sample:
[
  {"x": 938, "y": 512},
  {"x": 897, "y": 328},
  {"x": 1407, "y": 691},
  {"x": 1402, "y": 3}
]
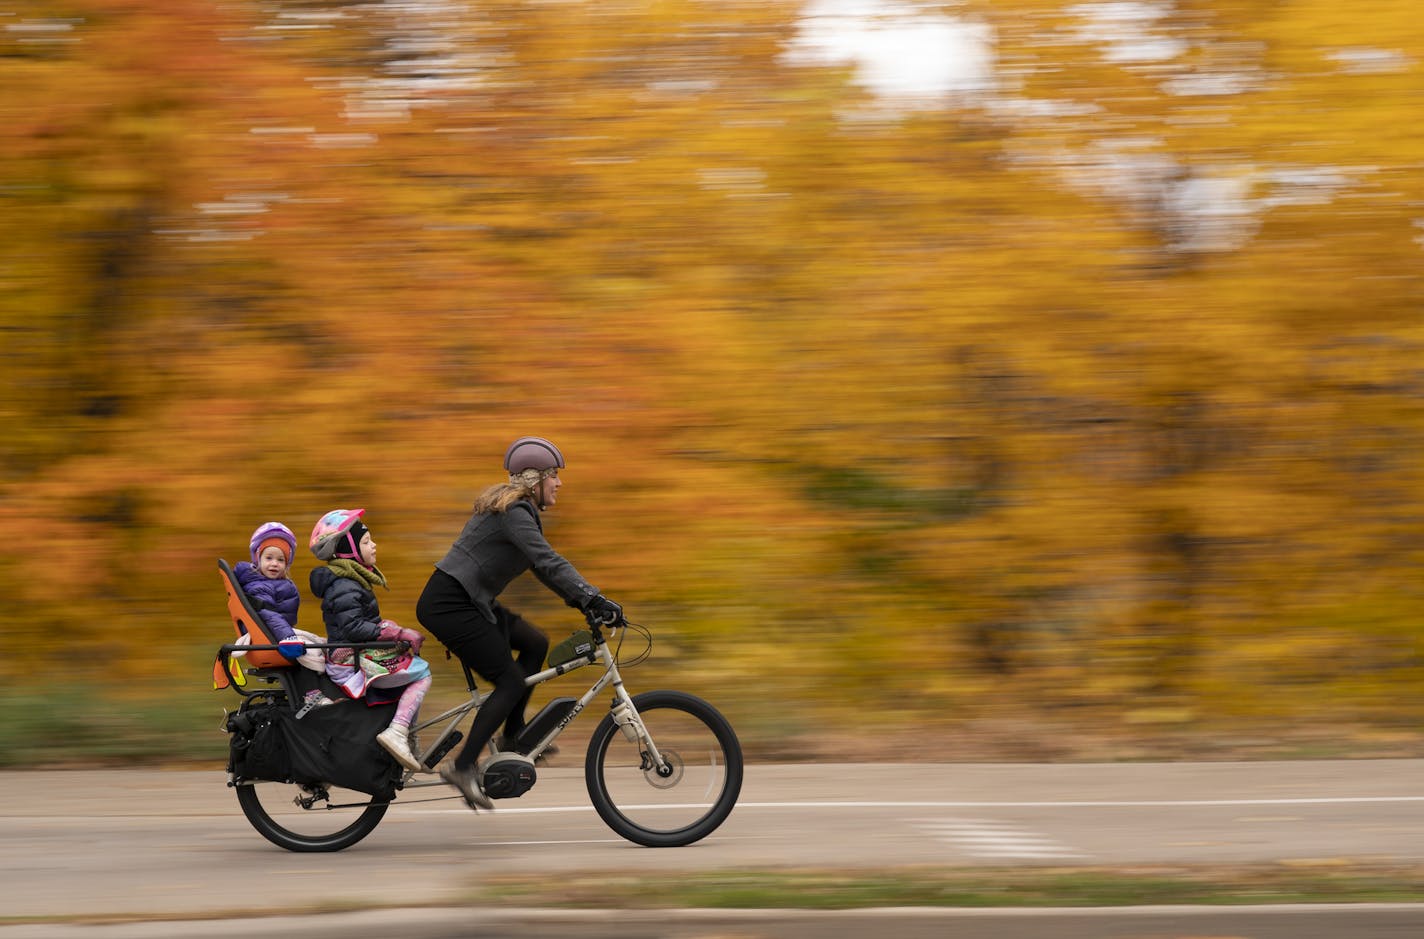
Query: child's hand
[
  {"x": 292, "y": 648},
  {"x": 391, "y": 631}
]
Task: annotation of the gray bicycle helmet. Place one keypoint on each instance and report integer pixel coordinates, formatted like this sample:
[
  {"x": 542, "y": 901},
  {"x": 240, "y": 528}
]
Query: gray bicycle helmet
[{"x": 534, "y": 453}]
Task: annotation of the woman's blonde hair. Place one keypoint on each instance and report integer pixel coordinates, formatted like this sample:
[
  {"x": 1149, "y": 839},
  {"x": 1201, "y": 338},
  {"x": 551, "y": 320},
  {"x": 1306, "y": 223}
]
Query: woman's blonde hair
[{"x": 500, "y": 496}]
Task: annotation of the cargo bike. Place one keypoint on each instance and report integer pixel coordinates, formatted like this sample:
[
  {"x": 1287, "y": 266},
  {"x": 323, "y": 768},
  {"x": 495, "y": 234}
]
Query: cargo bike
[{"x": 662, "y": 768}]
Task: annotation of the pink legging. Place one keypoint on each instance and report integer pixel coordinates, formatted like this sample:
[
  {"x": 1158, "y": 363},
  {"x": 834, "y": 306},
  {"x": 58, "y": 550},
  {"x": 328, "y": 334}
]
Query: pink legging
[{"x": 409, "y": 704}]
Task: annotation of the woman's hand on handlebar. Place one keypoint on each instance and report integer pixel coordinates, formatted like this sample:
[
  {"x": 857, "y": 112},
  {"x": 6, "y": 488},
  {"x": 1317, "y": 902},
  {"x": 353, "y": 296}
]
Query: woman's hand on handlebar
[{"x": 601, "y": 611}]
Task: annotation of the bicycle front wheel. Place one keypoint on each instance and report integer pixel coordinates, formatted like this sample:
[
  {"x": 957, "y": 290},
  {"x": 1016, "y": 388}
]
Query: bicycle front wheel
[
  {"x": 686, "y": 798},
  {"x": 307, "y": 818}
]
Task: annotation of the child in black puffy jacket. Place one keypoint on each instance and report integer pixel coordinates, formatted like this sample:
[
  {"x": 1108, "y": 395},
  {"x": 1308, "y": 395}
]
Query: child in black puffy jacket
[{"x": 351, "y": 613}]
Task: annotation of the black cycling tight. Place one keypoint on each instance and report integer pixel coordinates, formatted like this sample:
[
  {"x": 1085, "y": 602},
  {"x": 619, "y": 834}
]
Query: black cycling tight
[{"x": 445, "y": 610}]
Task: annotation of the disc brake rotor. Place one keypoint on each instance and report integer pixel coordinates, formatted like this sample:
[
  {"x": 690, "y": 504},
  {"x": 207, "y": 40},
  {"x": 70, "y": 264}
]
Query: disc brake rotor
[{"x": 671, "y": 773}]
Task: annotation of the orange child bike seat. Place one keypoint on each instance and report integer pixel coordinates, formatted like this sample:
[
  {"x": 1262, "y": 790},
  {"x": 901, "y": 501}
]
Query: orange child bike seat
[{"x": 247, "y": 623}]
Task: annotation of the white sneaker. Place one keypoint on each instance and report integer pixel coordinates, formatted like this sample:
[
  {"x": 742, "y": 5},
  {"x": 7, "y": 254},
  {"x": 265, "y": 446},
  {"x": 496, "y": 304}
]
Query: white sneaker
[{"x": 393, "y": 740}]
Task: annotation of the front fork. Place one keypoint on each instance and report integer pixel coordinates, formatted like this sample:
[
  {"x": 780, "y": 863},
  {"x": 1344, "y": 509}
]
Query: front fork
[{"x": 630, "y": 722}]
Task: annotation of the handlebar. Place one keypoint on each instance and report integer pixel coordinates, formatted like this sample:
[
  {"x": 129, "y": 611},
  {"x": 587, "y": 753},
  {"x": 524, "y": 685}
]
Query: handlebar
[
  {"x": 596, "y": 624},
  {"x": 373, "y": 644}
]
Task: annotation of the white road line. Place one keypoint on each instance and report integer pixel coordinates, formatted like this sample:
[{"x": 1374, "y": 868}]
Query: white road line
[
  {"x": 1068, "y": 804},
  {"x": 525, "y": 844},
  {"x": 984, "y": 837},
  {"x": 1094, "y": 803},
  {"x": 408, "y": 807}
]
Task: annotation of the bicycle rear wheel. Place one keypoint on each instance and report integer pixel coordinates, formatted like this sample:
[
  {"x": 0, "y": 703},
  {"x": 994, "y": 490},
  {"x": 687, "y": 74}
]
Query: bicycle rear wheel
[
  {"x": 680, "y": 802},
  {"x": 308, "y": 818}
]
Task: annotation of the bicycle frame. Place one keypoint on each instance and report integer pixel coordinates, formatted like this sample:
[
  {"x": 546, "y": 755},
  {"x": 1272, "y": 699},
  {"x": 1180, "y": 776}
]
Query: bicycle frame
[{"x": 602, "y": 654}]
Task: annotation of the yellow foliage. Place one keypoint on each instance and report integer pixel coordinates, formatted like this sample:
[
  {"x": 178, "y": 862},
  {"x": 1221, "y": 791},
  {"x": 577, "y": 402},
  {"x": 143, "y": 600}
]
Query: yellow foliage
[{"x": 976, "y": 391}]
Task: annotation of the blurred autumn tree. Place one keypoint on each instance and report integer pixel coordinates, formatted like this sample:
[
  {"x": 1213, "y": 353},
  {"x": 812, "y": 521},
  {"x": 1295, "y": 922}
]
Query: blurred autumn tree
[{"x": 1091, "y": 399}]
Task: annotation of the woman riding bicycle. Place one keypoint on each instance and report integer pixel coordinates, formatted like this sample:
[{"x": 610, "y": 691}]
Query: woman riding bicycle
[{"x": 460, "y": 606}]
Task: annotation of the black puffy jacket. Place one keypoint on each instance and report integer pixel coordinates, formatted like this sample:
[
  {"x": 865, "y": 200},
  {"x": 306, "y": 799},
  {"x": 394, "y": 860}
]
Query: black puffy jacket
[{"x": 349, "y": 609}]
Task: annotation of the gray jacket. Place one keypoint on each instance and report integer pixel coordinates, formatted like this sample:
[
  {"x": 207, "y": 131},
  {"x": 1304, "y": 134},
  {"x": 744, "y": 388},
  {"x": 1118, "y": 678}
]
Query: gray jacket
[{"x": 496, "y": 547}]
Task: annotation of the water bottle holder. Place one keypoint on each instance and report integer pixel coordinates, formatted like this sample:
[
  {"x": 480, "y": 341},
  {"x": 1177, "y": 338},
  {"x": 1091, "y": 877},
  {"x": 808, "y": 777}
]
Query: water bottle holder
[{"x": 624, "y": 720}]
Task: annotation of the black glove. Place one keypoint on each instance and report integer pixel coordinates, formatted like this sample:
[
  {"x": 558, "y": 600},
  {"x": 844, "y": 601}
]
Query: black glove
[{"x": 601, "y": 611}]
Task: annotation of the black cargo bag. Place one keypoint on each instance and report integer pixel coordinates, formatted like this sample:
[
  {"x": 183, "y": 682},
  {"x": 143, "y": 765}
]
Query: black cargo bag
[
  {"x": 335, "y": 744},
  {"x": 257, "y": 747}
]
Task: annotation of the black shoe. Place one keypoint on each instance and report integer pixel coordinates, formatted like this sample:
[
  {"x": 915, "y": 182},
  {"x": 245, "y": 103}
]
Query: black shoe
[{"x": 468, "y": 782}]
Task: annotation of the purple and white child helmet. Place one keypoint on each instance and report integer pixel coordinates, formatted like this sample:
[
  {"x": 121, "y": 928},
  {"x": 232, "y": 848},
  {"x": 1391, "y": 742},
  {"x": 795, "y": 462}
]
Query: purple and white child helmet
[
  {"x": 272, "y": 532},
  {"x": 331, "y": 538}
]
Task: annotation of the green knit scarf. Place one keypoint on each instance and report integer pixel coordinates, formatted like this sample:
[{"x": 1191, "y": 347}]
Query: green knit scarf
[{"x": 370, "y": 576}]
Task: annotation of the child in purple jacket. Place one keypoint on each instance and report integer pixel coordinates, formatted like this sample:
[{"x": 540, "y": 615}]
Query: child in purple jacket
[{"x": 266, "y": 580}]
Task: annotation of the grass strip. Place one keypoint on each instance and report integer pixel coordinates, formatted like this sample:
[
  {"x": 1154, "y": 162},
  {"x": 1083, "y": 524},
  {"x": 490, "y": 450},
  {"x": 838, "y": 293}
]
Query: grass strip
[{"x": 1325, "y": 881}]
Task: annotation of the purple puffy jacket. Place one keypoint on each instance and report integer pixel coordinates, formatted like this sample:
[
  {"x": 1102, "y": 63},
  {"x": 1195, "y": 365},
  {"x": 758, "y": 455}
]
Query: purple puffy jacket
[{"x": 276, "y": 600}]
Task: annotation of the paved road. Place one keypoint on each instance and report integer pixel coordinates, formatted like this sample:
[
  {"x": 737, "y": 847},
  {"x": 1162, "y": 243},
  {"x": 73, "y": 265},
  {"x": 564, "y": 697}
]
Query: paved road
[
  {"x": 1375, "y": 921},
  {"x": 163, "y": 844}
]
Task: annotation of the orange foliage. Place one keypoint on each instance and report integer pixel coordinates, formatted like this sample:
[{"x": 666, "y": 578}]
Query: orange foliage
[{"x": 978, "y": 389}]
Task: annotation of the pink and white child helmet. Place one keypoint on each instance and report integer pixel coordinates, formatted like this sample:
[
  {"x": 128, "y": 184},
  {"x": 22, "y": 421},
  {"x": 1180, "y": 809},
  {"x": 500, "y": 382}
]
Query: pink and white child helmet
[
  {"x": 269, "y": 532},
  {"x": 331, "y": 538}
]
